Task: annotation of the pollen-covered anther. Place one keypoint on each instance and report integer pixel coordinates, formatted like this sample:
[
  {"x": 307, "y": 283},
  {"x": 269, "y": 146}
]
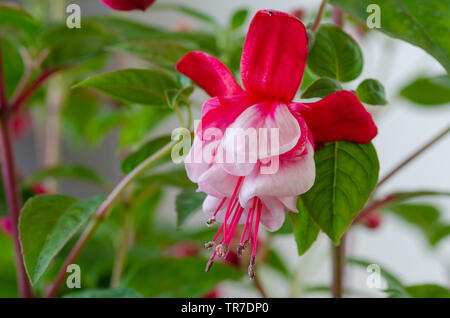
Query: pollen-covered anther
[
  {"x": 222, "y": 249},
  {"x": 209, "y": 245},
  {"x": 209, "y": 265},
  {"x": 251, "y": 268},
  {"x": 211, "y": 221},
  {"x": 240, "y": 248}
]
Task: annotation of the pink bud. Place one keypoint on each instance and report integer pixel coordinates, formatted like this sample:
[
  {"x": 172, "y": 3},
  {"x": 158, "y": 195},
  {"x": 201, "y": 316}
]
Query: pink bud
[
  {"x": 39, "y": 188},
  {"x": 21, "y": 125},
  {"x": 6, "y": 225},
  {"x": 127, "y": 5}
]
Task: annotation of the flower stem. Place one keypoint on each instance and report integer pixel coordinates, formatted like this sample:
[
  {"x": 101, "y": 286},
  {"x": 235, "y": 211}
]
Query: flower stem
[
  {"x": 338, "y": 269},
  {"x": 413, "y": 156},
  {"x": 102, "y": 212},
  {"x": 319, "y": 16},
  {"x": 121, "y": 253}
]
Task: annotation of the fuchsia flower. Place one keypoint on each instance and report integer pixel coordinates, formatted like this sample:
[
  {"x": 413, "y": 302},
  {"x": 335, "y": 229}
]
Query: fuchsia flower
[
  {"x": 272, "y": 64},
  {"x": 128, "y": 5}
]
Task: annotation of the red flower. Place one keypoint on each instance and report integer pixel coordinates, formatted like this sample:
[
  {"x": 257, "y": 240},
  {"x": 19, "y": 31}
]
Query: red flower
[
  {"x": 272, "y": 65},
  {"x": 127, "y": 5}
]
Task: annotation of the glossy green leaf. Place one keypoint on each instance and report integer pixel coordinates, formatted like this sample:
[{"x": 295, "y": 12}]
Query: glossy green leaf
[
  {"x": 346, "y": 174},
  {"x": 428, "y": 91},
  {"x": 423, "y": 23},
  {"x": 47, "y": 222},
  {"x": 322, "y": 88},
  {"x": 335, "y": 55},
  {"x": 69, "y": 171},
  {"x": 187, "y": 203},
  {"x": 182, "y": 277},
  {"x": 238, "y": 18},
  {"x": 305, "y": 230},
  {"x": 85, "y": 43},
  {"x": 105, "y": 293},
  {"x": 371, "y": 91},
  {"x": 133, "y": 85},
  {"x": 148, "y": 149}
]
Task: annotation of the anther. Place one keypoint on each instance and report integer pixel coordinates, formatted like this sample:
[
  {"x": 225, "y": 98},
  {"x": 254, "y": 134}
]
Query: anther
[
  {"x": 209, "y": 245},
  {"x": 240, "y": 248},
  {"x": 251, "y": 268},
  {"x": 211, "y": 221},
  {"x": 209, "y": 265}
]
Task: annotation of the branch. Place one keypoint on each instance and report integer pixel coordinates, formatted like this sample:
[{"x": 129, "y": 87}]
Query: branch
[
  {"x": 319, "y": 16},
  {"x": 413, "y": 156},
  {"x": 102, "y": 212}
]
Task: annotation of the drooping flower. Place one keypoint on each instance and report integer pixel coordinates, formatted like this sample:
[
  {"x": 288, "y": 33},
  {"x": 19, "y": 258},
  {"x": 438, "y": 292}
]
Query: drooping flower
[
  {"x": 128, "y": 5},
  {"x": 248, "y": 191}
]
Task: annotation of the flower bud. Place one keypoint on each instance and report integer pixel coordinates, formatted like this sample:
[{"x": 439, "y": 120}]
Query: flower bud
[{"x": 127, "y": 5}]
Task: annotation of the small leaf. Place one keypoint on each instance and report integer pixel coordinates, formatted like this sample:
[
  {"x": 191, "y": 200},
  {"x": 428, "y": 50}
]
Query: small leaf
[
  {"x": 305, "y": 230},
  {"x": 15, "y": 19},
  {"x": 322, "y": 88},
  {"x": 73, "y": 171},
  {"x": 238, "y": 18},
  {"x": 371, "y": 91},
  {"x": 163, "y": 277},
  {"x": 187, "y": 203},
  {"x": 105, "y": 293},
  {"x": 346, "y": 174},
  {"x": 47, "y": 223},
  {"x": 335, "y": 55},
  {"x": 428, "y": 91},
  {"x": 133, "y": 85},
  {"x": 148, "y": 149},
  {"x": 14, "y": 68},
  {"x": 177, "y": 96}
]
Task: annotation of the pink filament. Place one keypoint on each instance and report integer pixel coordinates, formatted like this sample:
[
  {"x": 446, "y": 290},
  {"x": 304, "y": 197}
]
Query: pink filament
[{"x": 255, "y": 236}]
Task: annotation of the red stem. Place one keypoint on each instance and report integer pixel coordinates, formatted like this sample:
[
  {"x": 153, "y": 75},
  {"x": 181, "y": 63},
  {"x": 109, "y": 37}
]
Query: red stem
[
  {"x": 338, "y": 17},
  {"x": 23, "y": 96},
  {"x": 13, "y": 197},
  {"x": 14, "y": 203}
]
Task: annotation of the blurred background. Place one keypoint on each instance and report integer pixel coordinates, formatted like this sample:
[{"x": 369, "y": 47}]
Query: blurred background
[{"x": 403, "y": 128}]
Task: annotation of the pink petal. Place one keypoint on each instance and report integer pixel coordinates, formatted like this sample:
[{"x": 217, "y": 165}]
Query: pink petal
[
  {"x": 216, "y": 181},
  {"x": 339, "y": 116},
  {"x": 209, "y": 73},
  {"x": 257, "y": 121},
  {"x": 273, "y": 213},
  {"x": 274, "y": 55},
  {"x": 211, "y": 204},
  {"x": 294, "y": 176}
]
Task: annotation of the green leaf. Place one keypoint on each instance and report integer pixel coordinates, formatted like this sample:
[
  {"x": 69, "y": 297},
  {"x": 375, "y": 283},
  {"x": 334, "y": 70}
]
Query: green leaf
[
  {"x": 47, "y": 223},
  {"x": 125, "y": 29},
  {"x": 346, "y": 174},
  {"x": 105, "y": 293},
  {"x": 428, "y": 291},
  {"x": 133, "y": 85},
  {"x": 85, "y": 43},
  {"x": 335, "y": 54},
  {"x": 425, "y": 217},
  {"x": 175, "y": 277},
  {"x": 322, "y": 88},
  {"x": 395, "y": 285},
  {"x": 12, "y": 18},
  {"x": 187, "y": 203},
  {"x": 423, "y": 23},
  {"x": 175, "y": 177},
  {"x": 305, "y": 230},
  {"x": 274, "y": 261},
  {"x": 371, "y": 91},
  {"x": 238, "y": 18},
  {"x": 148, "y": 149},
  {"x": 14, "y": 68},
  {"x": 428, "y": 91},
  {"x": 158, "y": 52},
  {"x": 70, "y": 171}
]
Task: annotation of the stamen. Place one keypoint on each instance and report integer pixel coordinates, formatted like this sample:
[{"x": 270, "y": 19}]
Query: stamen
[
  {"x": 251, "y": 268},
  {"x": 209, "y": 245},
  {"x": 231, "y": 205},
  {"x": 241, "y": 242},
  {"x": 211, "y": 221},
  {"x": 220, "y": 205}
]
